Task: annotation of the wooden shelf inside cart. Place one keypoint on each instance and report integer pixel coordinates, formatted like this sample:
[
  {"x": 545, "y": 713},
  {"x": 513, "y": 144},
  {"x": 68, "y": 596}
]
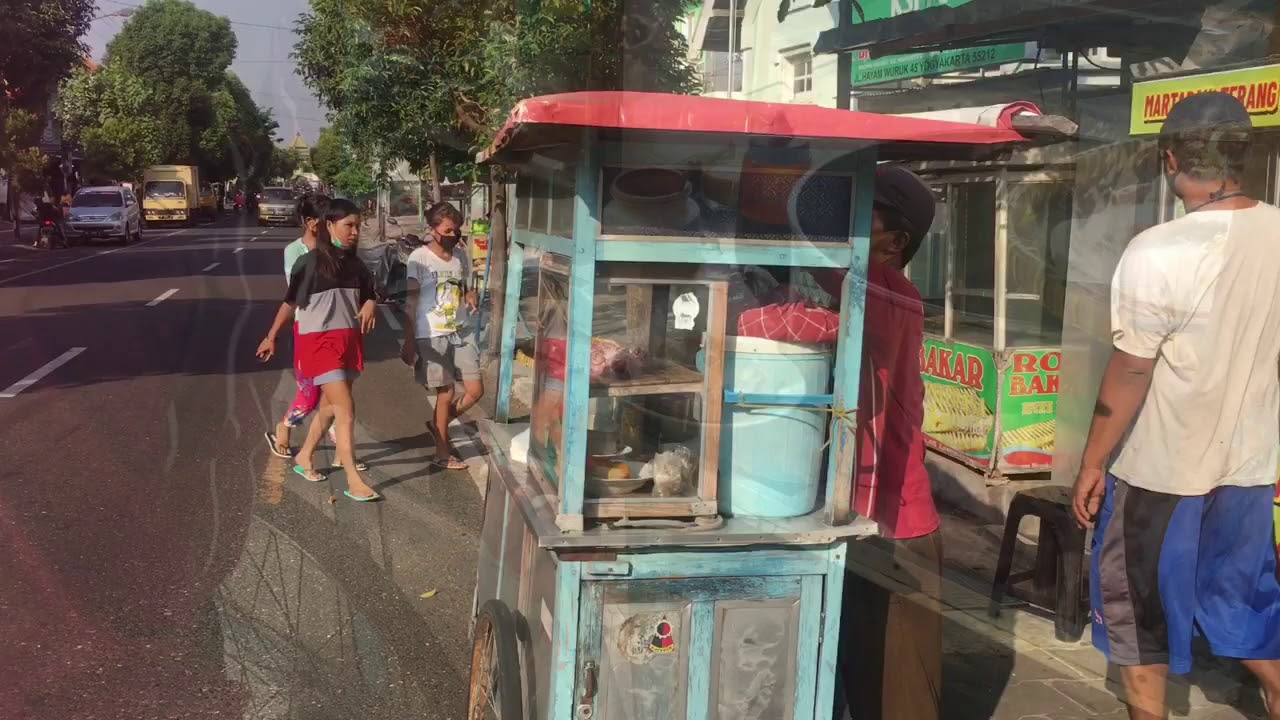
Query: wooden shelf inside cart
[{"x": 660, "y": 377}]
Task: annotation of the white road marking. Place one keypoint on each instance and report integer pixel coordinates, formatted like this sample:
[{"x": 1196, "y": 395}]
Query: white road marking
[
  {"x": 236, "y": 251},
  {"x": 264, "y": 232},
  {"x": 162, "y": 297},
  {"x": 38, "y": 375},
  {"x": 391, "y": 319},
  {"x": 87, "y": 257},
  {"x": 210, "y": 267}
]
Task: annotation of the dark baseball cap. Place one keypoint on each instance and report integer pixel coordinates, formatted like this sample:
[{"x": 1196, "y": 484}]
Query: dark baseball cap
[
  {"x": 908, "y": 197},
  {"x": 1215, "y": 115}
]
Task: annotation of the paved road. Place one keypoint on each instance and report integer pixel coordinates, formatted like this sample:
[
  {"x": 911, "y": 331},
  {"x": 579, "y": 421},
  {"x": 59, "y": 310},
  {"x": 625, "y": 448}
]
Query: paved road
[{"x": 157, "y": 561}]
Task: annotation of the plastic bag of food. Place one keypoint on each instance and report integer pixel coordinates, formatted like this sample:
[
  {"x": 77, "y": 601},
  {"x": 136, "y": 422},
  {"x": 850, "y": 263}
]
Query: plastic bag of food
[{"x": 672, "y": 472}]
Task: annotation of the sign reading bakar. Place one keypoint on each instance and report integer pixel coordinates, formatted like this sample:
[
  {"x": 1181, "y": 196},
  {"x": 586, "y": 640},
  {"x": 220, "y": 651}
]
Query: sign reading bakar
[
  {"x": 914, "y": 65},
  {"x": 1257, "y": 88}
]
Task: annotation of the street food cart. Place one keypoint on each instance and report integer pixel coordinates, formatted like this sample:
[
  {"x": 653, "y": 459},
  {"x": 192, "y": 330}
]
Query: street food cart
[
  {"x": 993, "y": 277},
  {"x": 665, "y": 524}
]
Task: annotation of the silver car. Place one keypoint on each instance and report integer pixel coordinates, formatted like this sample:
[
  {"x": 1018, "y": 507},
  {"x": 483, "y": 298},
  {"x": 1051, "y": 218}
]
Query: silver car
[
  {"x": 278, "y": 206},
  {"x": 106, "y": 211}
]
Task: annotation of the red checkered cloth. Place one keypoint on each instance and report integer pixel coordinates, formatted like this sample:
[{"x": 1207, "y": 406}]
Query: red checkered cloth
[{"x": 790, "y": 322}]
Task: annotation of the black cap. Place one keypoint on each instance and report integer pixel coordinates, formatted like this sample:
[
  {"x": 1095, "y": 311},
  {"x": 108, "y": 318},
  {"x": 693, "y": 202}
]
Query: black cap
[
  {"x": 903, "y": 192},
  {"x": 1211, "y": 115}
]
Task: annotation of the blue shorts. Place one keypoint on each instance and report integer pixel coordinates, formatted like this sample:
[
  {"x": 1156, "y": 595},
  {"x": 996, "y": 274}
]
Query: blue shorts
[{"x": 1166, "y": 568}]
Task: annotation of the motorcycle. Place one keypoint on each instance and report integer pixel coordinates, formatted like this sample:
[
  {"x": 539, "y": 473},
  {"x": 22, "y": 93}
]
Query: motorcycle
[
  {"x": 388, "y": 262},
  {"x": 50, "y": 236}
]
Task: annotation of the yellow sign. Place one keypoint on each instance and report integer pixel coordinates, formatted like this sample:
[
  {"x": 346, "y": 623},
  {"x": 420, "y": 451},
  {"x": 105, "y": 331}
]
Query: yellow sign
[{"x": 1258, "y": 89}]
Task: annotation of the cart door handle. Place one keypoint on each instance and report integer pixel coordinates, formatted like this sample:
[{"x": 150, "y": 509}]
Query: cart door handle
[{"x": 586, "y": 709}]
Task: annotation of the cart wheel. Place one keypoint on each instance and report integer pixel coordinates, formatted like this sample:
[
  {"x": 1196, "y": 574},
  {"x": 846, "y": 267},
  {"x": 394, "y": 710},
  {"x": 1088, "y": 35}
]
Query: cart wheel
[{"x": 495, "y": 666}]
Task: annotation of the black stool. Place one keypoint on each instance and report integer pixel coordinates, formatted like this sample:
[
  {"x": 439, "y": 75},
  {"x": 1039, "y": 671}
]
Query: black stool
[{"x": 1057, "y": 581}]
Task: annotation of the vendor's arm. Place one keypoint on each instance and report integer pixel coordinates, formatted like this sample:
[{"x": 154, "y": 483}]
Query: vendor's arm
[{"x": 1142, "y": 317}]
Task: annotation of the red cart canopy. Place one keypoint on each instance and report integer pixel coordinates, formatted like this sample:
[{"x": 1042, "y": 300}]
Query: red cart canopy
[{"x": 558, "y": 120}]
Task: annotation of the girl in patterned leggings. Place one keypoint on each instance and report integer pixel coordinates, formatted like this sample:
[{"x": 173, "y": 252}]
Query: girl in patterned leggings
[{"x": 311, "y": 210}]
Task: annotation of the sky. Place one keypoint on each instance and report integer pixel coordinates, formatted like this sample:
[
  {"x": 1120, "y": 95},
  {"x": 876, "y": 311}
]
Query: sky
[{"x": 264, "y": 31}]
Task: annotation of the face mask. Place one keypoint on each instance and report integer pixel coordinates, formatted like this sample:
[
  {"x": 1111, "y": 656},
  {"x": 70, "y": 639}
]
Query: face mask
[{"x": 448, "y": 241}]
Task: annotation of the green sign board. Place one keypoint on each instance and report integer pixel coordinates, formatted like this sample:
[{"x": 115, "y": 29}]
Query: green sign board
[
  {"x": 914, "y": 65},
  {"x": 960, "y": 386},
  {"x": 1029, "y": 409},
  {"x": 883, "y": 9}
]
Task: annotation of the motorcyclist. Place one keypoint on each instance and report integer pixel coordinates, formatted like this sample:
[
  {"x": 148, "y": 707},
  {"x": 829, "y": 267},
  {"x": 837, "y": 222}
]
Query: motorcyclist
[{"x": 47, "y": 211}]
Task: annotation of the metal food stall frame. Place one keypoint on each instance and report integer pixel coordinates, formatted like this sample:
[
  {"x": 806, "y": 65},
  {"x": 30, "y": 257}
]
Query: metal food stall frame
[{"x": 997, "y": 347}]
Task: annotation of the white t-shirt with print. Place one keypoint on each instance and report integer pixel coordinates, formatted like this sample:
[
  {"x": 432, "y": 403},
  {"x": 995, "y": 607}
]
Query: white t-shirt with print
[
  {"x": 441, "y": 287},
  {"x": 1201, "y": 295}
]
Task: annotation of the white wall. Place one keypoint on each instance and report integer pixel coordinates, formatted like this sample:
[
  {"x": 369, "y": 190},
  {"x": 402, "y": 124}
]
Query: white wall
[{"x": 765, "y": 42}]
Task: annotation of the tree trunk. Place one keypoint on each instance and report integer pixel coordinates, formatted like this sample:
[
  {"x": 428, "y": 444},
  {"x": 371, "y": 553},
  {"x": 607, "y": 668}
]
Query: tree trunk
[
  {"x": 436, "y": 193},
  {"x": 497, "y": 263}
]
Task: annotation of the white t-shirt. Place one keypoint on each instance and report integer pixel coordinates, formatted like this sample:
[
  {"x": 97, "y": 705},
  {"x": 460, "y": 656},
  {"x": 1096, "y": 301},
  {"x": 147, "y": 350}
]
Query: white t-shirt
[
  {"x": 1201, "y": 295},
  {"x": 441, "y": 287}
]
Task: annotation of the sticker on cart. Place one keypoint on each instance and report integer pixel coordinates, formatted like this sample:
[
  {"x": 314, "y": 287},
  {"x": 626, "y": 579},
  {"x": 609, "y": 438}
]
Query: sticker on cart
[
  {"x": 662, "y": 641},
  {"x": 686, "y": 309}
]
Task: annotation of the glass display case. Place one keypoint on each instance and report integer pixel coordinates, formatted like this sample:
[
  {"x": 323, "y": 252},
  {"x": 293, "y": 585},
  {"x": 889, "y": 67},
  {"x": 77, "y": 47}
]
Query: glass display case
[{"x": 656, "y": 379}]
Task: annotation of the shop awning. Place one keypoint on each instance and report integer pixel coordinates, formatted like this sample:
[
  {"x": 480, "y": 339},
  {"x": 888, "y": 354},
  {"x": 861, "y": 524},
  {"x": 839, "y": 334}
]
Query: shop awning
[
  {"x": 1052, "y": 23},
  {"x": 559, "y": 120}
]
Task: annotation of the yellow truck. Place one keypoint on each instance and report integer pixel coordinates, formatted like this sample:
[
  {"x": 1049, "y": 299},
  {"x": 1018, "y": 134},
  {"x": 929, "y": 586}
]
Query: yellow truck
[{"x": 171, "y": 193}]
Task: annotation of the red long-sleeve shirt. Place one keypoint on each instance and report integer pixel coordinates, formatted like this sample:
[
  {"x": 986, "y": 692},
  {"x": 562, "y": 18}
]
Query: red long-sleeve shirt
[{"x": 891, "y": 484}]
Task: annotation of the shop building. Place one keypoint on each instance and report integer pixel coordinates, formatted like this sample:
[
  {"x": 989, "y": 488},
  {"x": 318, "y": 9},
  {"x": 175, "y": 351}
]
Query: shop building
[{"x": 1020, "y": 263}]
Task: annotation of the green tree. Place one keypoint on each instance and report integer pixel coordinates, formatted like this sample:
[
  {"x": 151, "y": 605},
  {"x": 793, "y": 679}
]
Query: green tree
[
  {"x": 175, "y": 39},
  {"x": 410, "y": 80},
  {"x": 165, "y": 95},
  {"x": 283, "y": 164},
  {"x": 42, "y": 44},
  {"x": 339, "y": 167}
]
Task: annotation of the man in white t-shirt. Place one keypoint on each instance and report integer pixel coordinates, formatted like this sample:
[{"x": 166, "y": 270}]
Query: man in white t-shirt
[
  {"x": 436, "y": 343},
  {"x": 1184, "y": 541}
]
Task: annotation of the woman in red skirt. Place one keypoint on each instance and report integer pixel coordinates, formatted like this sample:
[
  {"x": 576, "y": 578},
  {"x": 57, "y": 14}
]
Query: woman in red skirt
[{"x": 331, "y": 295}]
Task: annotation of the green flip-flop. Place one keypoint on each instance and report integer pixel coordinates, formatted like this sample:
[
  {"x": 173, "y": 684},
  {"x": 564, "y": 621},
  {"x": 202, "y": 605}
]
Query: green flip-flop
[
  {"x": 309, "y": 475},
  {"x": 367, "y": 498}
]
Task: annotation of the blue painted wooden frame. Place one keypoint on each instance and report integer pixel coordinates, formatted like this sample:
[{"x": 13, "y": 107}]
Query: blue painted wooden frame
[
  {"x": 808, "y": 646},
  {"x": 701, "y": 645},
  {"x": 758, "y": 562},
  {"x": 732, "y": 397},
  {"x": 543, "y": 241},
  {"x": 564, "y": 647},
  {"x": 853, "y": 299},
  {"x": 833, "y": 603},
  {"x": 510, "y": 319},
  {"x": 694, "y": 251},
  {"x": 818, "y": 629},
  {"x": 582, "y": 288}
]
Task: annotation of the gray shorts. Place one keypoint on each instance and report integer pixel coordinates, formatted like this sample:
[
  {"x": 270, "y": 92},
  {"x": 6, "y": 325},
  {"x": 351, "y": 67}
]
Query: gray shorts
[
  {"x": 334, "y": 376},
  {"x": 443, "y": 360}
]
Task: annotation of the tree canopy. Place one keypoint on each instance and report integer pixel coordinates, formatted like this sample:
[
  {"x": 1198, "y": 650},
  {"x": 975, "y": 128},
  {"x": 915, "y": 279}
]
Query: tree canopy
[
  {"x": 405, "y": 80},
  {"x": 165, "y": 94},
  {"x": 42, "y": 45}
]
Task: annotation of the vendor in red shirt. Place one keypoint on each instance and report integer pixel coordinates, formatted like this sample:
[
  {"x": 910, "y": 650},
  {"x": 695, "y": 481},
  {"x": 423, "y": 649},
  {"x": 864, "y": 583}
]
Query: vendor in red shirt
[{"x": 891, "y": 633}]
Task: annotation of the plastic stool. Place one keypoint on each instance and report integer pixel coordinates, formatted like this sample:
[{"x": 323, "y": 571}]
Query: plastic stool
[{"x": 1058, "y": 576}]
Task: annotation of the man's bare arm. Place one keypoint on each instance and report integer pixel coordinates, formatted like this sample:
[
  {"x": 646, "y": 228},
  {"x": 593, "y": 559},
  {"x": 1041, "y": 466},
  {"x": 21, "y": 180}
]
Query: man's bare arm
[{"x": 1124, "y": 388}]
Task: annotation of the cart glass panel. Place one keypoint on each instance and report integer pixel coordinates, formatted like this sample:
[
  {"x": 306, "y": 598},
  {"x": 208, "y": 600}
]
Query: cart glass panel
[
  {"x": 546, "y": 417},
  {"x": 645, "y": 419}
]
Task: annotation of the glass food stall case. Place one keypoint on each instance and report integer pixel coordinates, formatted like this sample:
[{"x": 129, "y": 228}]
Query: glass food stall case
[
  {"x": 665, "y": 532},
  {"x": 993, "y": 278}
]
